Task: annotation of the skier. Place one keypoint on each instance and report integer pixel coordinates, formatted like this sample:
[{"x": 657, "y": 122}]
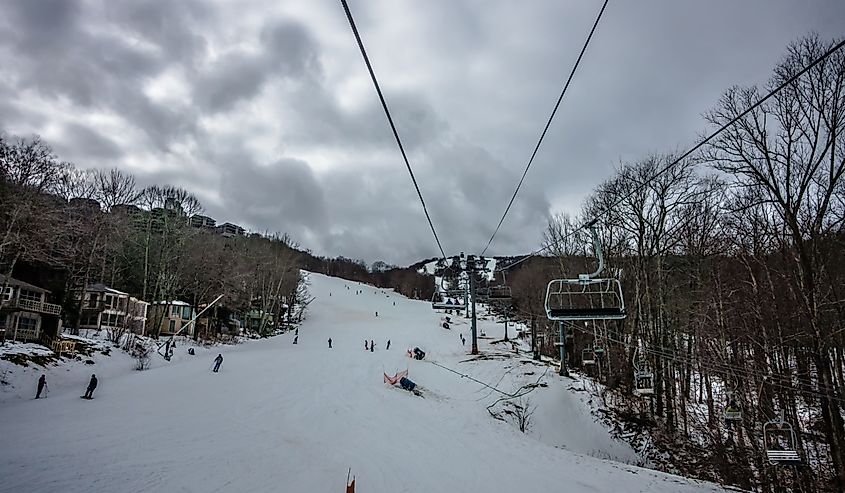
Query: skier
[
  {"x": 366, "y": 345},
  {"x": 217, "y": 362},
  {"x": 388, "y": 344},
  {"x": 92, "y": 384},
  {"x": 295, "y": 338},
  {"x": 372, "y": 346},
  {"x": 463, "y": 341},
  {"x": 42, "y": 383},
  {"x": 377, "y": 314},
  {"x": 330, "y": 342}
]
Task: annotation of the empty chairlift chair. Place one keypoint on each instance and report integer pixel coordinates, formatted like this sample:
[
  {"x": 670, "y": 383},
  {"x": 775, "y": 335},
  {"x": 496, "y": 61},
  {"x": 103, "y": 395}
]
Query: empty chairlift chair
[
  {"x": 643, "y": 377},
  {"x": 500, "y": 293},
  {"x": 780, "y": 442},
  {"x": 588, "y": 297},
  {"x": 588, "y": 356}
]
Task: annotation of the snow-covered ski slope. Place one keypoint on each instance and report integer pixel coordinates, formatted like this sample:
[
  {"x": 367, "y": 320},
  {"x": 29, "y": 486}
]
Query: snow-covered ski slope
[{"x": 292, "y": 418}]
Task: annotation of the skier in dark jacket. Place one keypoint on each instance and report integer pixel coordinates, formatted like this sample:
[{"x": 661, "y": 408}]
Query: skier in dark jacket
[
  {"x": 372, "y": 346},
  {"x": 388, "y": 344},
  {"x": 217, "y": 362},
  {"x": 330, "y": 342},
  {"x": 42, "y": 382},
  {"x": 92, "y": 384}
]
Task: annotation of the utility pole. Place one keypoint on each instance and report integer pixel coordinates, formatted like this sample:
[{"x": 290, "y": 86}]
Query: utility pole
[
  {"x": 506, "y": 323},
  {"x": 562, "y": 342},
  {"x": 471, "y": 272}
]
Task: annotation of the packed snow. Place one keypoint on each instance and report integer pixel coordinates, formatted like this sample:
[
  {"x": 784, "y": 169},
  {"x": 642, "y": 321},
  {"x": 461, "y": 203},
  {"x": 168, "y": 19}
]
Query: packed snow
[{"x": 294, "y": 417}]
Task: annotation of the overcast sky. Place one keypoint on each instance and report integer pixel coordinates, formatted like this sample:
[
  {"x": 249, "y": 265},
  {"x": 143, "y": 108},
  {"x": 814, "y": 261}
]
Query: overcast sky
[{"x": 265, "y": 111}]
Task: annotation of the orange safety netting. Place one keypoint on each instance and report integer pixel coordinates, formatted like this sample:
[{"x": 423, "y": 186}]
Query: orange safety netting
[{"x": 395, "y": 379}]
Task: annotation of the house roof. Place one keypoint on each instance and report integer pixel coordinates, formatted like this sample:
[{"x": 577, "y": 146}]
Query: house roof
[
  {"x": 102, "y": 288},
  {"x": 174, "y": 302},
  {"x": 10, "y": 281}
]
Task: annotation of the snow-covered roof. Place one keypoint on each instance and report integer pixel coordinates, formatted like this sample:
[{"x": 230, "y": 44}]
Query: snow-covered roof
[
  {"x": 174, "y": 302},
  {"x": 102, "y": 288}
]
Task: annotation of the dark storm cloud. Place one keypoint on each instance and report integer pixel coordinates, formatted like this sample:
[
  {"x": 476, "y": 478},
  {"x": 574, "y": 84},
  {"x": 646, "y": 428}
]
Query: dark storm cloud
[{"x": 265, "y": 111}]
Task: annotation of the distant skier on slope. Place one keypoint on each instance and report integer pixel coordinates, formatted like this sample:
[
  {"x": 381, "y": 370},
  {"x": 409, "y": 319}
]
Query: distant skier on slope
[
  {"x": 366, "y": 345},
  {"x": 372, "y": 346},
  {"x": 42, "y": 383},
  {"x": 217, "y": 362},
  {"x": 92, "y": 384},
  {"x": 295, "y": 339},
  {"x": 330, "y": 342},
  {"x": 388, "y": 344}
]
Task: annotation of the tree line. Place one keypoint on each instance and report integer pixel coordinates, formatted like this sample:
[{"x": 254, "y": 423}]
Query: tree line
[{"x": 733, "y": 267}]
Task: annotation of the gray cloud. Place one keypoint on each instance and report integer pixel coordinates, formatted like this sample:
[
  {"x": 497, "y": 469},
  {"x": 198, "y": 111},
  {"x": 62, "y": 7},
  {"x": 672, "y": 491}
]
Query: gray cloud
[
  {"x": 265, "y": 111},
  {"x": 82, "y": 140}
]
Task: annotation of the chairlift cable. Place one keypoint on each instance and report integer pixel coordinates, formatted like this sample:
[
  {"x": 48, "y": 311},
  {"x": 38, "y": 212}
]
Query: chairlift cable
[
  {"x": 546, "y": 128},
  {"x": 390, "y": 120},
  {"x": 694, "y": 148}
]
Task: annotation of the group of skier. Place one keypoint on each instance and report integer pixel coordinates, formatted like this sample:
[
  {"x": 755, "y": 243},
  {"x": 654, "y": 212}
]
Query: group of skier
[
  {"x": 89, "y": 391},
  {"x": 371, "y": 345}
]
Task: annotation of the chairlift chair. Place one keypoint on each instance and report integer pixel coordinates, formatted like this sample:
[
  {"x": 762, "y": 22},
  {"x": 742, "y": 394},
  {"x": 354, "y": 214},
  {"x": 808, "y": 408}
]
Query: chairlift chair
[
  {"x": 500, "y": 293},
  {"x": 732, "y": 409},
  {"x": 588, "y": 356},
  {"x": 780, "y": 442},
  {"x": 643, "y": 378},
  {"x": 588, "y": 297}
]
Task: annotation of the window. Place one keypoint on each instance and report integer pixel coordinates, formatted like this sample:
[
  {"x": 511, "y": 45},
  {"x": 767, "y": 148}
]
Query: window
[
  {"x": 27, "y": 323},
  {"x": 186, "y": 312},
  {"x": 108, "y": 301},
  {"x": 90, "y": 319},
  {"x": 3, "y": 322},
  {"x": 7, "y": 293},
  {"x": 174, "y": 311},
  {"x": 92, "y": 300},
  {"x": 27, "y": 295},
  {"x": 172, "y": 326}
]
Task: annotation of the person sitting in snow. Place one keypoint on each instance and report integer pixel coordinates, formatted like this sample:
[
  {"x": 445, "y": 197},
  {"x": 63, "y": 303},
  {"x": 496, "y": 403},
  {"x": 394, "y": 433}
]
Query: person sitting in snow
[{"x": 419, "y": 353}]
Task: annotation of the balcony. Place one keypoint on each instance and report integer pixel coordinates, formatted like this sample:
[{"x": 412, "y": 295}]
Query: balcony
[{"x": 32, "y": 306}]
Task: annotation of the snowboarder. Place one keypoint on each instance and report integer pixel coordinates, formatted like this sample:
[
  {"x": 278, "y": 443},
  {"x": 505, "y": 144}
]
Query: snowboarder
[
  {"x": 42, "y": 383},
  {"x": 330, "y": 342},
  {"x": 295, "y": 338},
  {"x": 217, "y": 362},
  {"x": 92, "y": 384},
  {"x": 388, "y": 344}
]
